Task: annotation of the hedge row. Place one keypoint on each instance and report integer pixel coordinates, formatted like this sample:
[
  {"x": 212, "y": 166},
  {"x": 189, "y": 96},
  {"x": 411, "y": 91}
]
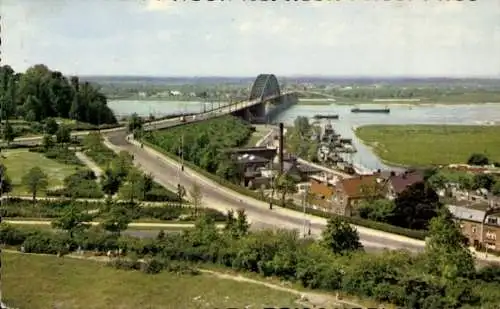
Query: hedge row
[
  {"x": 21, "y": 208},
  {"x": 417, "y": 234},
  {"x": 60, "y": 154},
  {"x": 394, "y": 277}
]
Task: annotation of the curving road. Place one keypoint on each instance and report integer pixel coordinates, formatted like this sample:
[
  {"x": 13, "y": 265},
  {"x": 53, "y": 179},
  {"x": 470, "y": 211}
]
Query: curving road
[{"x": 167, "y": 172}]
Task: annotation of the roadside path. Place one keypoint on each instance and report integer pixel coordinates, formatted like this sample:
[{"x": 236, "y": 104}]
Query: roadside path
[
  {"x": 222, "y": 198},
  {"x": 90, "y": 164}
]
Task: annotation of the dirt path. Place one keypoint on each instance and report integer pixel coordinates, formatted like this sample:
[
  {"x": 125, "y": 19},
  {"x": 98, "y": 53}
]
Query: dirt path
[
  {"x": 90, "y": 164},
  {"x": 305, "y": 298}
]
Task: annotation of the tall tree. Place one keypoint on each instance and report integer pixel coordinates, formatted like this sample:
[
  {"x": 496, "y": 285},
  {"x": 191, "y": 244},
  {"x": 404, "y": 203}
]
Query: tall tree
[
  {"x": 285, "y": 185},
  {"x": 111, "y": 182},
  {"x": 63, "y": 135},
  {"x": 134, "y": 187},
  {"x": 415, "y": 206},
  {"x": 116, "y": 220},
  {"x": 196, "y": 197},
  {"x": 147, "y": 183},
  {"x": 8, "y": 132},
  {"x": 72, "y": 220},
  {"x": 447, "y": 250},
  {"x": 340, "y": 237},
  {"x": 181, "y": 193},
  {"x": 35, "y": 180},
  {"x": 134, "y": 123},
  {"x": 51, "y": 126},
  {"x": 5, "y": 182}
]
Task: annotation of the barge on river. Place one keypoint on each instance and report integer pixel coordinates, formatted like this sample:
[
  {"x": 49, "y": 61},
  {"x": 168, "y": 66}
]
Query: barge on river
[
  {"x": 371, "y": 110},
  {"x": 331, "y": 116}
]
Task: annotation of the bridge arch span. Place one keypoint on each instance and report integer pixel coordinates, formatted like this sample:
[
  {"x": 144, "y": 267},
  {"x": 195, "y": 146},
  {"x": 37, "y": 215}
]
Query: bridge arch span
[{"x": 265, "y": 85}]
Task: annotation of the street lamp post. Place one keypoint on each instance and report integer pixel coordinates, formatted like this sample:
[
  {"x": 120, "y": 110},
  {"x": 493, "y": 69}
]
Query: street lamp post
[{"x": 304, "y": 205}]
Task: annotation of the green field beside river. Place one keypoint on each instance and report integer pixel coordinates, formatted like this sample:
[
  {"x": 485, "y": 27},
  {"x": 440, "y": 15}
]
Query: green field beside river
[{"x": 422, "y": 145}]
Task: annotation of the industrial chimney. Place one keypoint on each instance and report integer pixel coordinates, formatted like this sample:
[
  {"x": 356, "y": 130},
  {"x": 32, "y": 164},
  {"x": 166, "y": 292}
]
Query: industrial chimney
[{"x": 281, "y": 142}]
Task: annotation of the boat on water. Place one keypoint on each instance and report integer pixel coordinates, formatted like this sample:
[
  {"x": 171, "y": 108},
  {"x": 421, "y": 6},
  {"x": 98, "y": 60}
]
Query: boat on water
[
  {"x": 371, "y": 110},
  {"x": 331, "y": 116}
]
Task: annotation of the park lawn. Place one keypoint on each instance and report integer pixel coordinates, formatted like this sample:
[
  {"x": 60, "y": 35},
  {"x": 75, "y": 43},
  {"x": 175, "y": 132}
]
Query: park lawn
[
  {"x": 20, "y": 161},
  {"x": 36, "y": 281},
  {"x": 260, "y": 132},
  {"x": 423, "y": 145}
]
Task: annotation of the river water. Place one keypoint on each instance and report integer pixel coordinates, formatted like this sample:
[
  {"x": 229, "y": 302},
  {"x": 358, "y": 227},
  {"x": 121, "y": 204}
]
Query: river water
[{"x": 467, "y": 114}]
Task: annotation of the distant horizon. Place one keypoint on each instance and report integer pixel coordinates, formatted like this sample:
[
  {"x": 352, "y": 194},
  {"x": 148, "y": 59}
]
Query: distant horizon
[{"x": 318, "y": 76}]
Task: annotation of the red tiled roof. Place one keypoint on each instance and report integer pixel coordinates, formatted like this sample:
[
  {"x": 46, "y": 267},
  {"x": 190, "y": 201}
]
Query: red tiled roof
[
  {"x": 352, "y": 187},
  {"x": 401, "y": 182}
]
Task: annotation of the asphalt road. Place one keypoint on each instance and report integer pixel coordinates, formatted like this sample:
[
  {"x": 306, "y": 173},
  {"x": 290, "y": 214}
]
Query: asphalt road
[{"x": 170, "y": 175}]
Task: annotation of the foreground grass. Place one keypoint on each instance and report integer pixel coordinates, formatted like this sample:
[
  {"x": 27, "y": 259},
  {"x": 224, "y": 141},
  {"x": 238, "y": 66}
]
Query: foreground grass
[
  {"x": 20, "y": 161},
  {"x": 30, "y": 281},
  {"x": 423, "y": 145}
]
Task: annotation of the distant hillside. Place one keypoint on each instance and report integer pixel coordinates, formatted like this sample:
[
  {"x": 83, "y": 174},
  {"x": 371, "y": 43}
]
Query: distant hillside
[{"x": 437, "y": 81}]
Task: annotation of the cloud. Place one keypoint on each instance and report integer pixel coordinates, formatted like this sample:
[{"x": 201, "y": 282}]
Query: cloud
[
  {"x": 245, "y": 38},
  {"x": 158, "y": 5}
]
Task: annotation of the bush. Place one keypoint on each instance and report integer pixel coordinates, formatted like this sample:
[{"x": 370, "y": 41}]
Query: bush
[
  {"x": 394, "y": 277},
  {"x": 62, "y": 155},
  {"x": 125, "y": 264},
  {"x": 47, "y": 242},
  {"x": 13, "y": 236},
  {"x": 152, "y": 266},
  {"x": 353, "y": 220},
  {"x": 160, "y": 194},
  {"x": 81, "y": 184},
  {"x": 14, "y": 207}
]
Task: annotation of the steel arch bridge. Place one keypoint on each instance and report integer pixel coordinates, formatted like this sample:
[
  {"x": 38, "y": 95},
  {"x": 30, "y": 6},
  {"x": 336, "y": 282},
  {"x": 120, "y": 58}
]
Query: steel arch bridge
[{"x": 264, "y": 86}]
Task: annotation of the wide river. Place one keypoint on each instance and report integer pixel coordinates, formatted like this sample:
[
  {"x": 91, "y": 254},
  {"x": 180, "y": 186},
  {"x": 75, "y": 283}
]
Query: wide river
[{"x": 471, "y": 114}]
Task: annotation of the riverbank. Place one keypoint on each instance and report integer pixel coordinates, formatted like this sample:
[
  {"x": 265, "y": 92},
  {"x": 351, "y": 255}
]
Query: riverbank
[
  {"x": 316, "y": 102},
  {"x": 424, "y": 145}
]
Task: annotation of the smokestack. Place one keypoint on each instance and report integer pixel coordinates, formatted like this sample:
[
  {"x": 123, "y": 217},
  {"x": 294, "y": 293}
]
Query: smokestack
[{"x": 281, "y": 138}]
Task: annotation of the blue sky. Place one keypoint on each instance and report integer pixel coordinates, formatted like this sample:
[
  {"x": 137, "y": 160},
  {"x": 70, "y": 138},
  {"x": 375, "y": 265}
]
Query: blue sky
[{"x": 238, "y": 38}]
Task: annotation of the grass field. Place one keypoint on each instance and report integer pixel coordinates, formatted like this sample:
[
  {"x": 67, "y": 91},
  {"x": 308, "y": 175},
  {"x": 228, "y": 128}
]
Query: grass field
[
  {"x": 422, "y": 145},
  {"x": 260, "y": 132},
  {"x": 40, "y": 282},
  {"x": 316, "y": 102},
  {"x": 19, "y": 162}
]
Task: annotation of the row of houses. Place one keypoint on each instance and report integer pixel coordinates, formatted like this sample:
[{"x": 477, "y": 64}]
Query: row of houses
[{"x": 342, "y": 195}]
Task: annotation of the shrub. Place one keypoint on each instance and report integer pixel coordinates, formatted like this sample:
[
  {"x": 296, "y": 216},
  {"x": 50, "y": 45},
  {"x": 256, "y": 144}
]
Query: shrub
[
  {"x": 160, "y": 194},
  {"x": 81, "y": 184},
  {"x": 152, "y": 266},
  {"x": 62, "y": 155},
  {"x": 125, "y": 264},
  {"x": 47, "y": 242},
  {"x": 14, "y": 207}
]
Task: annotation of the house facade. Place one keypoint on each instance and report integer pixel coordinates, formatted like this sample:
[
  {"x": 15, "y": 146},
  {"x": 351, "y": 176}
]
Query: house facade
[
  {"x": 351, "y": 191},
  {"x": 470, "y": 221}
]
